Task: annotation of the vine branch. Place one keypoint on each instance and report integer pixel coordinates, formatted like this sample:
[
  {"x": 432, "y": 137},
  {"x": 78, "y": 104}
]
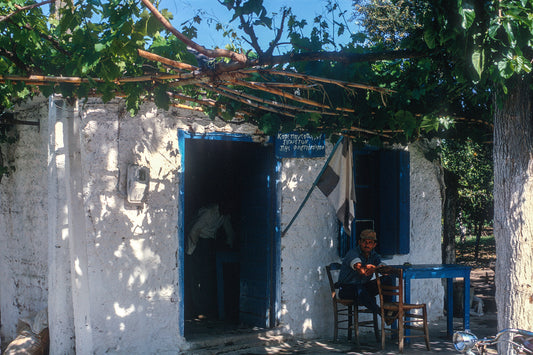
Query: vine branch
[
  {"x": 212, "y": 53},
  {"x": 23, "y": 8}
]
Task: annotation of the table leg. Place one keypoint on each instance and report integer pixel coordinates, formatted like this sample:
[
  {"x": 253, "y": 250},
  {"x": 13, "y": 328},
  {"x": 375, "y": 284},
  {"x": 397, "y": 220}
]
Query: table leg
[
  {"x": 407, "y": 299},
  {"x": 407, "y": 290},
  {"x": 466, "y": 319},
  {"x": 449, "y": 289}
]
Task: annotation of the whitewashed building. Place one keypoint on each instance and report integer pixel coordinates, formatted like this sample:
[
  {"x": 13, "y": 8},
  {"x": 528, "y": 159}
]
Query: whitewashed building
[{"x": 112, "y": 270}]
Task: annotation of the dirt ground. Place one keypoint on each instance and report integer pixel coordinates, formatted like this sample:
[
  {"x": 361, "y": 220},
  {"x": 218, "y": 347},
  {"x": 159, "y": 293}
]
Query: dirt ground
[{"x": 482, "y": 279}]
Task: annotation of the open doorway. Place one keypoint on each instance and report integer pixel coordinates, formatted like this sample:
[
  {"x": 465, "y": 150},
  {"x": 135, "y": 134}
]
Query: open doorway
[{"x": 229, "y": 280}]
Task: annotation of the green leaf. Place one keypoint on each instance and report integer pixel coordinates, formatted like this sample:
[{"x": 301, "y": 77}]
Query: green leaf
[
  {"x": 314, "y": 117},
  {"x": 47, "y": 90},
  {"x": 253, "y": 6},
  {"x": 161, "y": 98},
  {"x": 493, "y": 29},
  {"x": 407, "y": 121},
  {"x": 98, "y": 47},
  {"x": 429, "y": 124},
  {"x": 526, "y": 66},
  {"x": 228, "y": 3},
  {"x": 468, "y": 14},
  {"x": 478, "y": 59},
  {"x": 359, "y": 37},
  {"x": 301, "y": 119},
  {"x": 430, "y": 38},
  {"x": 510, "y": 34},
  {"x": 505, "y": 69},
  {"x": 269, "y": 123},
  {"x": 83, "y": 90},
  {"x": 340, "y": 31}
]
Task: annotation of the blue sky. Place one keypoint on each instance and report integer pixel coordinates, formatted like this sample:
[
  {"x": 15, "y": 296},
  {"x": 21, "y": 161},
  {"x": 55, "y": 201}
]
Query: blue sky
[{"x": 209, "y": 37}]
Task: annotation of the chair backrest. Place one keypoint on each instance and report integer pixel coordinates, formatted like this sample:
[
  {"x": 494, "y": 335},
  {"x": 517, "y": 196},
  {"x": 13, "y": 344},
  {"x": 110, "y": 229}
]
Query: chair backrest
[
  {"x": 329, "y": 268},
  {"x": 394, "y": 290}
]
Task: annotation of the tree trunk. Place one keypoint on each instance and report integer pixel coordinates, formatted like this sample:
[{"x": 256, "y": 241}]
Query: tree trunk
[
  {"x": 513, "y": 206},
  {"x": 449, "y": 217},
  {"x": 479, "y": 228}
]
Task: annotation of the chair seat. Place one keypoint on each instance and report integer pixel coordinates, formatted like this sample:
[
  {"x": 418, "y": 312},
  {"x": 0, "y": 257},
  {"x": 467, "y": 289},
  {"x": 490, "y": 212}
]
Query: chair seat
[
  {"x": 346, "y": 311},
  {"x": 393, "y": 306},
  {"x": 400, "y": 311},
  {"x": 345, "y": 302}
]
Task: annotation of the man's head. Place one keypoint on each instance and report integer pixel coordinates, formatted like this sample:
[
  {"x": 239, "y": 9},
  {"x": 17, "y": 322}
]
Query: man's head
[{"x": 367, "y": 241}]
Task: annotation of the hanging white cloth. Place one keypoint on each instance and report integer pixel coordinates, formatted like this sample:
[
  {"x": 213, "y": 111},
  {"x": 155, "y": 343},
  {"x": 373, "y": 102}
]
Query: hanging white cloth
[{"x": 208, "y": 221}]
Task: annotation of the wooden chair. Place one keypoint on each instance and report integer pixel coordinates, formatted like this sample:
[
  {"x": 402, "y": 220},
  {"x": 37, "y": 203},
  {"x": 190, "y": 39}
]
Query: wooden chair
[
  {"x": 346, "y": 312},
  {"x": 398, "y": 310}
]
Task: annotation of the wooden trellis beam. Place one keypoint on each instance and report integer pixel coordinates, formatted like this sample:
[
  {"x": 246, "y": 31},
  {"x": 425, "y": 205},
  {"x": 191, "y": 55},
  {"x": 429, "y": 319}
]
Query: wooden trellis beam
[
  {"x": 207, "y": 102},
  {"x": 166, "y": 61},
  {"x": 343, "y": 84},
  {"x": 250, "y": 102},
  {"x": 260, "y": 86},
  {"x": 273, "y": 103}
]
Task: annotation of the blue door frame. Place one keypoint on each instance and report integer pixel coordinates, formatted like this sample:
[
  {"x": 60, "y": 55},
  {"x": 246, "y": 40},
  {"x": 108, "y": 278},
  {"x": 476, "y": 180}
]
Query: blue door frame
[{"x": 275, "y": 195}]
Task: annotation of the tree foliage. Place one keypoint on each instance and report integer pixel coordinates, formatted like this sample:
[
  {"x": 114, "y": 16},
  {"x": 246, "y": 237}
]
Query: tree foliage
[
  {"x": 424, "y": 68},
  {"x": 389, "y": 22},
  {"x": 98, "y": 42},
  {"x": 472, "y": 163}
]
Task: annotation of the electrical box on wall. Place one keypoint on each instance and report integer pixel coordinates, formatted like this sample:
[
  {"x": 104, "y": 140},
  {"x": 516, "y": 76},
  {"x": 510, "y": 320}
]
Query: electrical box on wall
[{"x": 137, "y": 185}]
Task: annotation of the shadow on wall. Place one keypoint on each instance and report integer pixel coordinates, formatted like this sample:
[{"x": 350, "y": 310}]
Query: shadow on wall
[{"x": 131, "y": 248}]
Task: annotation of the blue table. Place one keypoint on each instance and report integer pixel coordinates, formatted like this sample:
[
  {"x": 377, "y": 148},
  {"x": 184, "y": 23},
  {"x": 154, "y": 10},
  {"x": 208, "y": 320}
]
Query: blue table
[{"x": 441, "y": 271}]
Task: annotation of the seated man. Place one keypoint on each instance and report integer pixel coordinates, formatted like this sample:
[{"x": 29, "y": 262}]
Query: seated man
[{"x": 357, "y": 270}]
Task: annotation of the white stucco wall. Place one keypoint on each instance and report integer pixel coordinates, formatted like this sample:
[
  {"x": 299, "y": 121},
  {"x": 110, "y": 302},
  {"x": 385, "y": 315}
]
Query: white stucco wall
[
  {"x": 131, "y": 250},
  {"x": 426, "y": 230},
  {"x": 311, "y": 244},
  {"x": 124, "y": 261},
  {"x": 23, "y": 214},
  {"x": 114, "y": 266}
]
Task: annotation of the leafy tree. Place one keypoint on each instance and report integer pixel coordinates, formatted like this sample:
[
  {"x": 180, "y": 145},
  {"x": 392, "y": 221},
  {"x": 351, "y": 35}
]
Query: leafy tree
[
  {"x": 471, "y": 162},
  {"x": 389, "y": 22},
  {"x": 494, "y": 40},
  {"x": 392, "y": 24}
]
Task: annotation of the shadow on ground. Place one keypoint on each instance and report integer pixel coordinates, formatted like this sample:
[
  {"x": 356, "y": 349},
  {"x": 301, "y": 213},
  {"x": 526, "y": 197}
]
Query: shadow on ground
[{"x": 269, "y": 342}]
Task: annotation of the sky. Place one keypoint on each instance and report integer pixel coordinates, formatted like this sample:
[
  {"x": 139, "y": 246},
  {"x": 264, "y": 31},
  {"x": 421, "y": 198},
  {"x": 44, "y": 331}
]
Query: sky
[{"x": 207, "y": 35}]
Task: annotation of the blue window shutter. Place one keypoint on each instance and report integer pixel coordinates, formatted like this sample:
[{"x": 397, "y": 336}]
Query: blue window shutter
[
  {"x": 394, "y": 202},
  {"x": 404, "y": 202}
]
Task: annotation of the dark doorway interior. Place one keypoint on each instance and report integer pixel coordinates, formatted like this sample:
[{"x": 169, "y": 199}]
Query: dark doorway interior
[{"x": 225, "y": 173}]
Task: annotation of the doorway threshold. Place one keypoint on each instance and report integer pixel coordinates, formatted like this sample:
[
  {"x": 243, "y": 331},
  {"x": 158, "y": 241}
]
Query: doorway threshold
[{"x": 221, "y": 338}]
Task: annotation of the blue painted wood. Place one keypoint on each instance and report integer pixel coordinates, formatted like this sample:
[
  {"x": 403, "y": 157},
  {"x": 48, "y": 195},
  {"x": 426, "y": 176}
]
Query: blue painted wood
[
  {"x": 404, "y": 205},
  {"x": 271, "y": 269},
  {"x": 300, "y": 145},
  {"x": 257, "y": 240},
  {"x": 441, "y": 271},
  {"x": 216, "y": 136},
  {"x": 275, "y": 286},
  {"x": 394, "y": 204},
  {"x": 388, "y": 203},
  {"x": 364, "y": 187},
  {"x": 181, "y": 236}
]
